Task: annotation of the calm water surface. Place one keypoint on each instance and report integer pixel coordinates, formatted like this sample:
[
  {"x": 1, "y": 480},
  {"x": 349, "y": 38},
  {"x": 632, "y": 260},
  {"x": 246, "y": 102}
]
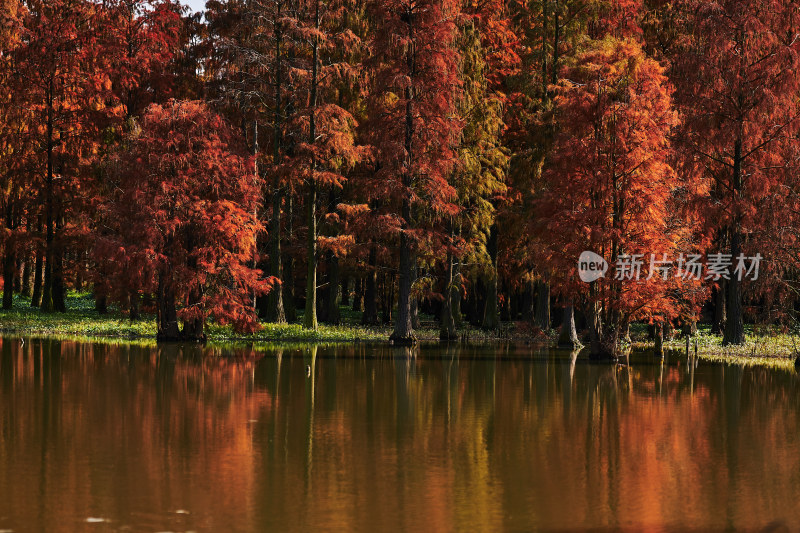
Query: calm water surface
[{"x": 99, "y": 437}]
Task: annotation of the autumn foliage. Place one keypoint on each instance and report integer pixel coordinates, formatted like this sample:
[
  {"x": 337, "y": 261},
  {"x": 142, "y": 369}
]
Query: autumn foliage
[
  {"x": 185, "y": 198},
  {"x": 447, "y": 158},
  {"x": 608, "y": 183}
]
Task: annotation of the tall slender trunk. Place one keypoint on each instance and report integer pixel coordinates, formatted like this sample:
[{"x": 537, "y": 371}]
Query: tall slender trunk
[
  {"x": 345, "y": 290},
  {"x": 27, "y": 278},
  {"x": 595, "y": 324},
  {"x": 38, "y": 272},
  {"x": 333, "y": 299},
  {"x": 47, "y": 286},
  {"x": 456, "y": 295},
  {"x": 58, "y": 288},
  {"x": 543, "y": 305},
  {"x": 310, "y": 314},
  {"x": 491, "y": 316},
  {"x": 720, "y": 316},
  {"x": 332, "y": 314},
  {"x": 403, "y": 328},
  {"x": 447, "y": 330},
  {"x": 734, "y": 326},
  {"x": 358, "y": 294},
  {"x": 387, "y": 302},
  {"x": 289, "y": 307},
  {"x": 370, "y": 316},
  {"x": 272, "y": 306},
  {"x": 9, "y": 258}
]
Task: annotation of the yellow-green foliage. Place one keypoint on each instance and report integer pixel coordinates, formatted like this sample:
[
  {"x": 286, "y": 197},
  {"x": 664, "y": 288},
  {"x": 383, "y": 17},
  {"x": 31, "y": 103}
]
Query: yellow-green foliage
[{"x": 481, "y": 174}]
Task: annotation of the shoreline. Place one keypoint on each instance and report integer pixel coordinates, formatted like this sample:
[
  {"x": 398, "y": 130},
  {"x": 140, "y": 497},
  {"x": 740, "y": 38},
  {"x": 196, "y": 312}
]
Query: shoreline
[{"x": 768, "y": 348}]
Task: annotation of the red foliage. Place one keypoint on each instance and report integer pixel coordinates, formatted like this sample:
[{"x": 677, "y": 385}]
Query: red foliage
[
  {"x": 608, "y": 184},
  {"x": 185, "y": 214}
]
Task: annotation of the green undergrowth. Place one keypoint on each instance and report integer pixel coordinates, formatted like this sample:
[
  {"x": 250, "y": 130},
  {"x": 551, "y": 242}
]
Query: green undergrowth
[
  {"x": 764, "y": 346},
  {"x": 82, "y": 321}
]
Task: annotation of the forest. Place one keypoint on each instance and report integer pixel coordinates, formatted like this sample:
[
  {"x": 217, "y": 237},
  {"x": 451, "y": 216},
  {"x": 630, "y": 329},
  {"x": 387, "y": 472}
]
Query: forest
[{"x": 272, "y": 161}]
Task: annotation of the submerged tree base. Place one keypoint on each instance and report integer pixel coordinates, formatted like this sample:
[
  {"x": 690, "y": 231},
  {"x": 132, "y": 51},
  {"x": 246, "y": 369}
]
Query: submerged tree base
[
  {"x": 398, "y": 340},
  {"x": 188, "y": 338}
]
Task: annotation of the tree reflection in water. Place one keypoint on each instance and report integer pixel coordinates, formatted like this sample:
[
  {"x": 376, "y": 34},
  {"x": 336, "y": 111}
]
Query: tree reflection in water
[{"x": 440, "y": 437}]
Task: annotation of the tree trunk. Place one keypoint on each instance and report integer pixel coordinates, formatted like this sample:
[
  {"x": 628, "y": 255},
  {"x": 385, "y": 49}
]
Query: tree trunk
[
  {"x": 9, "y": 263},
  {"x": 193, "y": 330},
  {"x": 332, "y": 315},
  {"x": 456, "y": 295},
  {"x": 358, "y": 294},
  {"x": 346, "y": 291},
  {"x": 529, "y": 302},
  {"x": 272, "y": 305},
  {"x": 46, "y": 303},
  {"x": 403, "y": 328},
  {"x": 415, "y": 324},
  {"x": 133, "y": 305},
  {"x": 9, "y": 260},
  {"x": 310, "y": 313},
  {"x": 387, "y": 302},
  {"x": 17, "y": 273},
  {"x": 659, "y": 345},
  {"x": 59, "y": 290},
  {"x": 100, "y": 301},
  {"x": 27, "y": 278},
  {"x": 167, "y": 315},
  {"x": 447, "y": 330},
  {"x": 734, "y": 326},
  {"x": 568, "y": 337},
  {"x": 332, "y": 299},
  {"x": 370, "y": 316},
  {"x": 491, "y": 318},
  {"x": 289, "y": 307},
  {"x": 603, "y": 342},
  {"x": 720, "y": 316},
  {"x": 543, "y": 305},
  {"x": 38, "y": 274}
]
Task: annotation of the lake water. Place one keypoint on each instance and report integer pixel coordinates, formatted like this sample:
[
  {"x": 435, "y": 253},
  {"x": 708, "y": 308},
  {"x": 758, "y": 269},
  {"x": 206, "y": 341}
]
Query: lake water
[{"x": 104, "y": 437}]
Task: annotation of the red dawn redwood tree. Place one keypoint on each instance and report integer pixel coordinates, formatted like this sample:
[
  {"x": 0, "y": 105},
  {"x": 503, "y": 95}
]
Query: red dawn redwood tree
[
  {"x": 141, "y": 38},
  {"x": 14, "y": 121},
  {"x": 607, "y": 184},
  {"x": 324, "y": 132},
  {"x": 185, "y": 210},
  {"x": 413, "y": 128},
  {"x": 737, "y": 88},
  {"x": 61, "y": 77}
]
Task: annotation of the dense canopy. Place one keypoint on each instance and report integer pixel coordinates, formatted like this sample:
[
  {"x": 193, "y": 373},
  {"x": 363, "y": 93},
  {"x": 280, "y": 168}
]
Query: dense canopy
[{"x": 446, "y": 158}]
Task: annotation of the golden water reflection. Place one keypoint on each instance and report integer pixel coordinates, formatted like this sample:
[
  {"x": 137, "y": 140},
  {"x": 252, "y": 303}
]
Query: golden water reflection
[{"x": 101, "y": 437}]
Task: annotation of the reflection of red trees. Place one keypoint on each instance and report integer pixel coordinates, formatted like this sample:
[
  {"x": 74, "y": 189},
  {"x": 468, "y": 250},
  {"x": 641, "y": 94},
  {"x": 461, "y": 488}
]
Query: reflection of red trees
[{"x": 246, "y": 436}]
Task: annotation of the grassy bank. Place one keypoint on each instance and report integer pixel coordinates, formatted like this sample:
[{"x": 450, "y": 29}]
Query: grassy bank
[
  {"x": 764, "y": 346},
  {"x": 81, "y": 320}
]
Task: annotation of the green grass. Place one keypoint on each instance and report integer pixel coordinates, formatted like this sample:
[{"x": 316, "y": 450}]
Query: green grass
[
  {"x": 80, "y": 319},
  {"x": 764, "y": 346}
]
